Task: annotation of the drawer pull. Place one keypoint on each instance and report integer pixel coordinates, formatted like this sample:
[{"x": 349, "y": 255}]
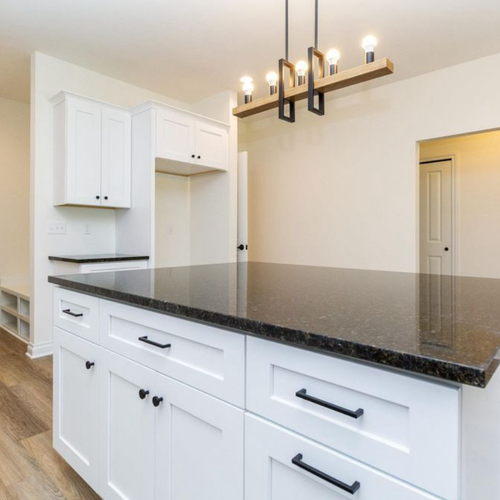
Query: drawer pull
[
  {"x": 71, "y": 313},
  {"x": 297, "y": 460},
  {"x": 353, "y": 414},
  {"x": 152, "y": 342}
]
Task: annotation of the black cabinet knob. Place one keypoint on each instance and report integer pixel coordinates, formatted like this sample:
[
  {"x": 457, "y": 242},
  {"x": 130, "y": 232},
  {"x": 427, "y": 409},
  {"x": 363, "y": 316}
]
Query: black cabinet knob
[
  {"x": 105, "y": 197},
  {"x": 89, "y": 365},
  {"x": 157, "y": 401},
  {"x": 241, "y": 247},
  {"x": 97, "y": 197},
  {"x": 446, "y": 249},
  {"x": 199, "y": 157},
  {"x": 143, "y": 393},
  {"x": 193, "y": 156}
]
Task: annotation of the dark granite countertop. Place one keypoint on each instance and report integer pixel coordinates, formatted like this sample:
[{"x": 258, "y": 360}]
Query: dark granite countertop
[
  {"x": 96, "y": 258},
  {"x": 443, "y": 327}
]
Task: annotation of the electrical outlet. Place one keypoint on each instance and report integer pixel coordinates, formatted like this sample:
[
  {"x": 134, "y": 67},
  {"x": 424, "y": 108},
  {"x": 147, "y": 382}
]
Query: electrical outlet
[
  {"x": 87, "y": 228},
  {"x": 57, "y": 228}
]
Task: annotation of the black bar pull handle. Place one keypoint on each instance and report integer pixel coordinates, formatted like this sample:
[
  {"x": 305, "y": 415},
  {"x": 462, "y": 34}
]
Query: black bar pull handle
[
  {"x": 302, "y": 394},
  {"x": 297, "y": 460},
  {"x": 152, "y": 342},
  {"x": 71, "y": 313}
]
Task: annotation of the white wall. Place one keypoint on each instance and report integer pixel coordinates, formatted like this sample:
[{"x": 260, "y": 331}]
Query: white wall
[
  {"x": 50, "y": 76},
  {"x": 14, "y": 190},
  {"x": 477, "y": 192},
  {"x": 172, "y": 234},
  {"x": 340, "y": 190}
]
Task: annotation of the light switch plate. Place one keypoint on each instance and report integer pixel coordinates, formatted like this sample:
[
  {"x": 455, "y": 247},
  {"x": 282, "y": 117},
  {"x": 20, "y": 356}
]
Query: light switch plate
[{"x": 57, "y": 227}]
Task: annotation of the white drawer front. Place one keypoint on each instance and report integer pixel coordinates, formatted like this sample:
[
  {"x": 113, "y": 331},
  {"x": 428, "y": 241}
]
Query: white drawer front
[
  {"x": 77, "y": 313},
  {"x": 206, "y": 358},
  {"x": 270, "y": 473},
  {"x": 406, "y": 427}
]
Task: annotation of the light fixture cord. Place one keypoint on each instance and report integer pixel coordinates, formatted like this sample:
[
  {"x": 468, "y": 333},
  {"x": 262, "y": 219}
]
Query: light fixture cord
[
  {"x": 286, "y": 30},
  {"x": 316, "y": 23}
]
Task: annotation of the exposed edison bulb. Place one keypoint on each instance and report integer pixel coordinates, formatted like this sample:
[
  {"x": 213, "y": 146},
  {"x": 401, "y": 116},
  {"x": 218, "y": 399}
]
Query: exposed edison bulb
[
  {"x": 301, "y": 68},
  {"x": 369, "y": 43},
  {"x": 333, "y": 56},
  {"x": 248, "y": 87},
  {"x": 272, "y": 80}
]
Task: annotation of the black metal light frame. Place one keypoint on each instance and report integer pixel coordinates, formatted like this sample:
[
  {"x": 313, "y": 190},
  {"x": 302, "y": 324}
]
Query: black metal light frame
[
  {"x": 312, "y": 54},
  {"x": 283, "y": 64}
]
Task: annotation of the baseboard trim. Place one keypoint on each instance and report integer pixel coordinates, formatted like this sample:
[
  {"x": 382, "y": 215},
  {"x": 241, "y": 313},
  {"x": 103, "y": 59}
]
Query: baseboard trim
[{"x": 40, "y": 350}]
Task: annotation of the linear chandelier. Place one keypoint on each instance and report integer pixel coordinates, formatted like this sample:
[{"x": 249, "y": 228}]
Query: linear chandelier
[{"x": 302, "y": 83}]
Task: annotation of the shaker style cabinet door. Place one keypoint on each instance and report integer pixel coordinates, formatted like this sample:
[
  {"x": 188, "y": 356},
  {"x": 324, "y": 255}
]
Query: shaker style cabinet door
[
  {"x": 126, "y": 427},
  {"x": 199, "y": 445},
  {"x": 175, "y": 136},
  {"x": 116, "y": 159},
  {"x": 211, "y": 145},
  {"x": 76, "y": 370},
  {"x": 83, "y": 162}
]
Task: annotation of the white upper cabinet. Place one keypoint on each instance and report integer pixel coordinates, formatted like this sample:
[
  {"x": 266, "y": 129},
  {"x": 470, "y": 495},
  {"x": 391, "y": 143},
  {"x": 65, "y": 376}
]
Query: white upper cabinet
[
  {"x": 175, "y": 135},
  {"x": 92, "y": 153},
  {"x": 189, "y": 144}
]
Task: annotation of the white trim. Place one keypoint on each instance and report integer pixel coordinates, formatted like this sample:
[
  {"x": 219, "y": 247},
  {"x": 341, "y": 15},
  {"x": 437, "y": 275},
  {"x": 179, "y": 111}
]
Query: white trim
[
  {"x": 454, "y": 210},
  {"x": 40, "y": 350}
]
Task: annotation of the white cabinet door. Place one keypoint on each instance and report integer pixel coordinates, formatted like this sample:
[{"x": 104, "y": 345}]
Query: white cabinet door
[
  {"x": 175, "y": 136},
  {"x": 83, "y": 175},
  {"x": 126, "y": 426},
  {"x": 116, "y": 156},
  {"x": 76, "y": 404},
  {"x": 199, "y": 445},
  {"x": 282, "y": 465},
  {"x": 211, "y": 145}
]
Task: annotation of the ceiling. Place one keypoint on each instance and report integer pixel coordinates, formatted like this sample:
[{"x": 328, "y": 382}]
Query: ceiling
[{"x": 190, "y": 49}]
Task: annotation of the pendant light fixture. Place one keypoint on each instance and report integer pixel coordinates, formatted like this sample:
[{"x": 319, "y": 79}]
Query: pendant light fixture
[{"x": 307, "y": 79}]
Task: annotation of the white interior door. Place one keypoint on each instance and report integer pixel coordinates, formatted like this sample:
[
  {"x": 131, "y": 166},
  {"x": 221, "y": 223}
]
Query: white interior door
[
  {"x": 243, "y": 207},
  {"x": 436, "y": 217}
]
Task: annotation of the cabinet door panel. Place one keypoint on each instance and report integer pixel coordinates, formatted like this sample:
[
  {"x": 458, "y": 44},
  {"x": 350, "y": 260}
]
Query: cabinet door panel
[
  {"x": 174, "y": 136},
  {"x": 127, "y": 430},
  {"x": 116, "y": 156},
  {"x": 76, "y": 404},
  {"x": 211, "y": 145},
  {"x": 199, "y": 445},
  {"x": 84, "y": 154}
]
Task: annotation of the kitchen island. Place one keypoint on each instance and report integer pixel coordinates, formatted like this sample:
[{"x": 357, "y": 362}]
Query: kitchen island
[{"x": 269, "y": 381}]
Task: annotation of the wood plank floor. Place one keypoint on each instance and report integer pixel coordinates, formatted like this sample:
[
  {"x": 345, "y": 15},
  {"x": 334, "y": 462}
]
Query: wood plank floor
[{"x": 30, "y": 469}]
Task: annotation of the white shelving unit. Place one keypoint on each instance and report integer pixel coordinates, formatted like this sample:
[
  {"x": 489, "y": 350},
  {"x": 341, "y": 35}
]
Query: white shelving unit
[{"x": 15, "y": 310}]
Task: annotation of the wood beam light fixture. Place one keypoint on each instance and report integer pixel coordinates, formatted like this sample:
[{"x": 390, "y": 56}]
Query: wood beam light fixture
[{"x": 307, "y": 80}]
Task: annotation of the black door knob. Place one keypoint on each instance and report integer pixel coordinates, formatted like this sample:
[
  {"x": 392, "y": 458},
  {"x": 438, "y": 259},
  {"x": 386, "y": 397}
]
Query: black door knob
[
  {"x": 97, "y": 197},
  {"x": 446, "y": 249},
  {"x": 157, "y": 401},
  {"x": 89, "y": 365},
  {"x": 241, "y": 247},
  {"x": 143, "y": 393}
]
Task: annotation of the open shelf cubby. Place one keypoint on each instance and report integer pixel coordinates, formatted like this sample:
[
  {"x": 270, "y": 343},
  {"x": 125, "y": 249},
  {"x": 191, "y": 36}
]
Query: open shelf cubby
[{"x": 15, "y": 310}]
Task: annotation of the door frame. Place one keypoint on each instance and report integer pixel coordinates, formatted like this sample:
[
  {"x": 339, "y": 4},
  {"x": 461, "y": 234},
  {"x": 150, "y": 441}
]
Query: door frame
[{"x": 454, "y": 208}]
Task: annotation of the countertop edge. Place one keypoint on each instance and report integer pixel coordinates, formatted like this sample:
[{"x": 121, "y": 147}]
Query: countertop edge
[
  {"x": 97, "y": 260},
  {"x": 411, "y": 363}
]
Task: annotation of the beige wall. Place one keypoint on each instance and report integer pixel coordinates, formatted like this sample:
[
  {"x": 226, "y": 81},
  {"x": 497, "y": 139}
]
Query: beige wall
[
  {"x": 477, "y": 200},
  {"x": 340, "y": 190},
  {"x": 14, "y": 190}
]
